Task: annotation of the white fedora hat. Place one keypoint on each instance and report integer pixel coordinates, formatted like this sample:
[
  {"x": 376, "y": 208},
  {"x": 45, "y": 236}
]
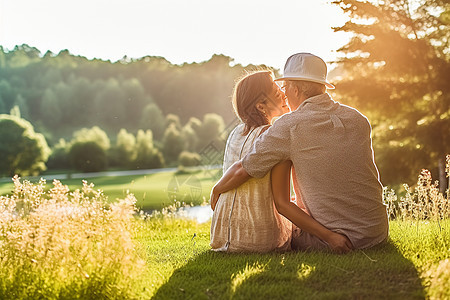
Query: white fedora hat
[{"x": 307, "y": 67}]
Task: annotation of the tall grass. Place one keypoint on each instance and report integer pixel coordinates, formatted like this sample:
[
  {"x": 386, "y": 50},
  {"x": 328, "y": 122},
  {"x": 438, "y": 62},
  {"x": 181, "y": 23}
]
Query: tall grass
[
  {"x": 424, "y": 202},
  {"x": 66, "y": 245}
]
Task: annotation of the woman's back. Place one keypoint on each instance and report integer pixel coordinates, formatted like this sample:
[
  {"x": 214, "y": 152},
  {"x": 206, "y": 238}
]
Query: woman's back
[{"x": 245, "y": 219}]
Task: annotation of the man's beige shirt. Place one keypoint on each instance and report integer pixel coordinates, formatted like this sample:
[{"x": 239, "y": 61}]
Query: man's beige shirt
[{"x": 330, "y": 147}]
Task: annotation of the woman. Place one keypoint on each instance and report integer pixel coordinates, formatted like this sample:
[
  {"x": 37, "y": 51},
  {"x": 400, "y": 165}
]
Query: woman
[{"x": 246, "y": 219}]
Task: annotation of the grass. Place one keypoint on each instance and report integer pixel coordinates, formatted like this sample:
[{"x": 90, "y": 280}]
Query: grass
[
  {"x": 152, "y": 191},
  {"x": 181, "y": 266},
  {"x": 62, "y": 244}
]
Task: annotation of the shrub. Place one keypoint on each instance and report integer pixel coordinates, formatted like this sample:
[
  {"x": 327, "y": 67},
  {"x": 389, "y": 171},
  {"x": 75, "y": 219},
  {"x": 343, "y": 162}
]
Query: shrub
[
  {"x": 147, "y": 156},
  {"x": 22, "y": 150},
  {"x": 88, "y": 157},
  {"x": 59, "y": 159},
  {"x": 189, "y": 159},
  {"x": 64, "y": 245},
  {"x": 94, "y": 134}
]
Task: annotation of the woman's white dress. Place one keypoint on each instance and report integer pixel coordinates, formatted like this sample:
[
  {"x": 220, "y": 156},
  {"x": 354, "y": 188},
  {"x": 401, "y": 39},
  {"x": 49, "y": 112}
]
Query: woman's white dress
[{"x": 245, "y": 219}]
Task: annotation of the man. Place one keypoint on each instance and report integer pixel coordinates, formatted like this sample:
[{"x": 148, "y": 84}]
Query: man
[{"x": 330, "y": 147}]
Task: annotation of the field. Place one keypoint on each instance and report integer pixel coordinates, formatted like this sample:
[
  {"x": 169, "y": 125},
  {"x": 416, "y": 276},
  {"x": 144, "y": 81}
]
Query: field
[
  {"x": 61, "y": 245},
  {"x": 152, "y": 191}
]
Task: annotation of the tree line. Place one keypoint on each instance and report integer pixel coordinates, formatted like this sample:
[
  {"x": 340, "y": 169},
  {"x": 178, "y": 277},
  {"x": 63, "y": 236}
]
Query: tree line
[{"x": 155, "y": 113}]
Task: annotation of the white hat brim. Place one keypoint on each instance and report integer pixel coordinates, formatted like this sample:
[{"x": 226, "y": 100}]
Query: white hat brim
[{"x": 326, "y": 83}]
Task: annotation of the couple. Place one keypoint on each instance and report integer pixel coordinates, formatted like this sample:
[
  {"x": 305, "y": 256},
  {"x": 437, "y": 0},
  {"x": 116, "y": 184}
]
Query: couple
[{"x": 327, "y": 149}]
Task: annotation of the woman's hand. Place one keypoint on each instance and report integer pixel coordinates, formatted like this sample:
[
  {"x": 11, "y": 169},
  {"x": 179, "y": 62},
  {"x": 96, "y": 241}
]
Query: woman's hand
[
  {"x": 339, "y": 243},
  {"x": 214, "y": 197}
]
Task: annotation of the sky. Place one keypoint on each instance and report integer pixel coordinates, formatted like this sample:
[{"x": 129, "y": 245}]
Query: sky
[{"x": 250, "y": 31}]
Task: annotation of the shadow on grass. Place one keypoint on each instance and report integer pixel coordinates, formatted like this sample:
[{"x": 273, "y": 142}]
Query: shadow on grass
[{"x": 379, "y": 273}]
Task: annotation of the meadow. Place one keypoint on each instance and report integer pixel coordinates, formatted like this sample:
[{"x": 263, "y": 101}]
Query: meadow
[
  {"x": 152, "y": 191},
  {"x": 63, "y": 243}
]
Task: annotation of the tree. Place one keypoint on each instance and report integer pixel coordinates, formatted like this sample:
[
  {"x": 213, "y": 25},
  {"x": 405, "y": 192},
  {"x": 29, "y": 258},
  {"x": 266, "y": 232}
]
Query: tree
[
  {"x": 59, "y": 158},
  {"x": 147, "y": 156},
  {"x": 173, "y": 119},
  {"x": 397, "y": 67},
  {"x": 124, "y": 152},
  {"x": 23, "y": 151},
  {"x": 135, "y": 101},
  {"x": 7, "y": 95},
  {"x": 88, "y": 156},
  {"x": 190, "y": 134},
  {"x": 2, "y": 105},
  {"x": 210, "y": 131},
  {"x": 94, "y": 134},
  {"x": 189, "y": 159},
  {"x": 152, "y": 118},
  {"x": 110, "y": 103},
  {"x": 51, "y": 108},
  {"x": 173, "y": 143}
]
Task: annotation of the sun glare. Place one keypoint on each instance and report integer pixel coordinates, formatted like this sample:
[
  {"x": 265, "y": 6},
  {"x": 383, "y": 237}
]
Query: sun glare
[
  {"x": 305, "y": 271},
  {"x": 256, "y": 32},
  {"x": 238, "y": 278}
]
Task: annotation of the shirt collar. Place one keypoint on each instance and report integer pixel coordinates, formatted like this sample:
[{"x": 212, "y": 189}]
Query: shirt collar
[{"x": 321, "y": 100}]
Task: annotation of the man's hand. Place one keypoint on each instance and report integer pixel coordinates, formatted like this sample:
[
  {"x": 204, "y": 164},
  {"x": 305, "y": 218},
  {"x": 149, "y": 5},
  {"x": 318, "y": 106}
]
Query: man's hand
[
  {"x": 233, "y": 178},
  {"x": 214, "y": 198},
  {"x": 339, "y": 243}
]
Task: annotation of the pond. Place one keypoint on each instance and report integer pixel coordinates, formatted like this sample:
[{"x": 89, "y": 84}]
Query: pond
[{"x": 201, "y": 214}]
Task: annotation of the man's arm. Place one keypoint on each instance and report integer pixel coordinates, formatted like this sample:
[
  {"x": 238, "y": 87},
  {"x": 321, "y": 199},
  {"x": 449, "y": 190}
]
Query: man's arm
[
  {"x": 233, "y": 178},
  {"x": 281, "y": 194}
]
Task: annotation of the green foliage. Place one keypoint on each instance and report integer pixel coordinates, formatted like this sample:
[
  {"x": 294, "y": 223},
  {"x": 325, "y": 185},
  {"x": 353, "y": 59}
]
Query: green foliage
[
  {"x": 147, "y": 156},
  {"x": 124, "y": 152},
  {"x": 152, "y": 118},
  {"x": 190, "y": 134},
  {"x": 88, "y": 156},
  {"x": 7, "y": 95},
  {"x": 2, "y": 104},
  {"x": 59, "y": 158},
  {"x": 66, "y": 92},
  {"x": 173, "y": 143},
  {"x": 23, "y": 151},
  {"x": 396, "y": 70},
  {"x": 173, "y": 119},
  {"x": 189, "y": 159},
  {"x": 94, "y": 134}
]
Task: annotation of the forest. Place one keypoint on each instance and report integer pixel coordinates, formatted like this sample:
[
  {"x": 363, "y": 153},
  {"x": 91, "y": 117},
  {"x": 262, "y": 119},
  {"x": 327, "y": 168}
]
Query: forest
[{"x": 139, "y": 113}]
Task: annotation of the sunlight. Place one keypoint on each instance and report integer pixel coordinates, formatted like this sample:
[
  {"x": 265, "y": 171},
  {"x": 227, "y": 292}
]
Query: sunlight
[
  {"x": 304, "y": 271},
  {"x": 249, "y": 271},
  {"x": 253, "y": 31}
]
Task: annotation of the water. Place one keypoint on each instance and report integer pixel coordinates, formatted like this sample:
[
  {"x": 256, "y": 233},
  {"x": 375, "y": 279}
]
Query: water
[{"x": 201, "y": 214}]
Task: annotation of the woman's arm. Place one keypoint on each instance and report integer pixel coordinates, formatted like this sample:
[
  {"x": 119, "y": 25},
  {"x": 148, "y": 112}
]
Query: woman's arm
[{"x": 281, "y": 195}]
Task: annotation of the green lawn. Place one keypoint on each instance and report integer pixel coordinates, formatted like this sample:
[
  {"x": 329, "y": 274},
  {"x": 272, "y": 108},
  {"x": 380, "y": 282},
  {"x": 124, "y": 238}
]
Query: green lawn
[
  {"x": 410, "y": 266},
  {"x": 162, "y": 256},
  {"x": 152, "y": 191}
]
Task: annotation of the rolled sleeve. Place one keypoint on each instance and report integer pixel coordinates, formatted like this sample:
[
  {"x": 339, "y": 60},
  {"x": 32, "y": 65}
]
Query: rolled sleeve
[{"x": 272, "y": 147}]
